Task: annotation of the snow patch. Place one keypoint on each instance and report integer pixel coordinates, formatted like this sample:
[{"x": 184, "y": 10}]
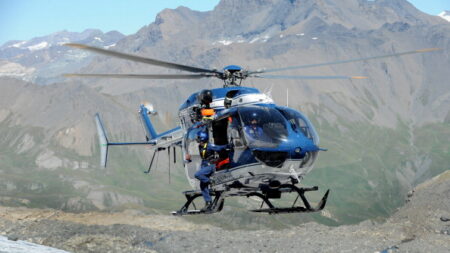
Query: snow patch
[
  {"x": 18, "y": 44},
  {"x": 445, "y": 15},
  {"x": 39, "y": 46},
  {"x": 76, "y": 55},
  {"x": 99, "y": 39},
  {"x": 23, "y": 247},
  {"x": 254, "y": 40},
  {"x": 314, "y": 38},
  {"x": 112, "y": 45},
  {"x": 63, "y": 41},
  {"x": 225, "y": 42},
  {"x": 239, "y": 39}
]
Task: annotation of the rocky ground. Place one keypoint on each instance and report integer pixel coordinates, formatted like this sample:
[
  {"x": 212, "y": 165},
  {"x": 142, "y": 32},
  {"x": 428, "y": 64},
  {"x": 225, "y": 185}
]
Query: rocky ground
[{"x": 422, "y": 225}]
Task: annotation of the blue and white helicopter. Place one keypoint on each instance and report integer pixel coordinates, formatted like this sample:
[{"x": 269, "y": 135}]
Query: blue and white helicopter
[{"x": 264, "y": 166}]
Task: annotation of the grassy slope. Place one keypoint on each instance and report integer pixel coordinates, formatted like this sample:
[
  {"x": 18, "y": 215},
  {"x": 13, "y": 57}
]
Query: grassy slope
[{"x": 363, "y": 165}]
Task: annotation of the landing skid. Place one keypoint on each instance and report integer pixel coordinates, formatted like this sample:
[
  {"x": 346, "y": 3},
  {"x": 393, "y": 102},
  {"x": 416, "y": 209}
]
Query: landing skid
[
  {"x": 307, "y": 208},
  {"x": 217, "y": 204},
  {"x": 263, "y": 193}
]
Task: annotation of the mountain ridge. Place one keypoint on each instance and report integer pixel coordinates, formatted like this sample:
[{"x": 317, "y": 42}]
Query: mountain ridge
[{"x": 43, "y": 59}]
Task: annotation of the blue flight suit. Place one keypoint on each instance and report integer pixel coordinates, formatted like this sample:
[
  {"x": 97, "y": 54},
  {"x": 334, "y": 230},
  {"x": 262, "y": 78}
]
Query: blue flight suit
[
  {"x": 206, "y": 168},
  {"x": 254, "y": 132}
]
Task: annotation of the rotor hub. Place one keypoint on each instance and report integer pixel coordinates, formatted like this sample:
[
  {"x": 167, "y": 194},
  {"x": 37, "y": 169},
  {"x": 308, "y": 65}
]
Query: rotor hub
[{"x": 233, "y": 75}]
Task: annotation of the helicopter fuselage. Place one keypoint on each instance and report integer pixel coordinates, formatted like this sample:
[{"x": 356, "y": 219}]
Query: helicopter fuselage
[{"x": 279, "y": 146}]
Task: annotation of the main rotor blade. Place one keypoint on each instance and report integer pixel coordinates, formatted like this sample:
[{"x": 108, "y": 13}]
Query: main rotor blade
[
  {"x": 141, "y": 59},
  {"x": 345, "y": 61},
  {"x": 308, "y": 77},
  {"x": 182, "y": 76}
]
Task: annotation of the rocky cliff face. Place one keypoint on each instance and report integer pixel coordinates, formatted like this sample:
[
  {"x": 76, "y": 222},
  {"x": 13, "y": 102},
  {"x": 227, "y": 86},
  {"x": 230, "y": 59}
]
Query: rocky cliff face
[{"x": 384, "y": 134}]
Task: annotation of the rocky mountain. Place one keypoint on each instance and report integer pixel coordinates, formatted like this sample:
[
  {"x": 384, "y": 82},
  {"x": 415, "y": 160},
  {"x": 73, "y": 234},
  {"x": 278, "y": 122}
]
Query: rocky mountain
[
  {"x": 385, "y": 134},
  {"x": 422, "y": 225},
  {"x": 44, "y": 59},
  {"x": 445, "y": 15}
]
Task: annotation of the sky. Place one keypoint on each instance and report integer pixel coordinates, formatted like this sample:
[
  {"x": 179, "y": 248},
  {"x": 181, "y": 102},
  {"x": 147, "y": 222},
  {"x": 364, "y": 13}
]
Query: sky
[{"x": 26, "y": 19}]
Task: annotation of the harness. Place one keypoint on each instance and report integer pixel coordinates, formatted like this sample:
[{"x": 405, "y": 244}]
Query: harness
[{"x": 205, "y": 154}]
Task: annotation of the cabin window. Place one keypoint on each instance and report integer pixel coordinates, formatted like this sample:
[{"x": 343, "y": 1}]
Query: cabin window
[
  {"x": 234, "y": 132},
  {"x": 191, "y": 141},
  {"x": 219, "y": 130}
]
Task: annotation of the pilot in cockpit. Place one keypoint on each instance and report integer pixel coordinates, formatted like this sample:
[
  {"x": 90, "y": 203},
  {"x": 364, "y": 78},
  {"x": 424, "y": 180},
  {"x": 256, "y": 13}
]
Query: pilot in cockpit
[{"x": 253, "y": 129}]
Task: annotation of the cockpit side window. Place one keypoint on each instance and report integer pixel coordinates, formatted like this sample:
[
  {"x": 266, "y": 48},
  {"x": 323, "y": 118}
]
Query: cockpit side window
[
  {"x": 299, "y": 123},
  {"x": 296, "y": 121}
]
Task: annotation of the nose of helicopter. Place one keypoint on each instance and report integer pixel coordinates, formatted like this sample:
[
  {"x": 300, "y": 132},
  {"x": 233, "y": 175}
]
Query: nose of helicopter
[{"x": 290, "y": 149}]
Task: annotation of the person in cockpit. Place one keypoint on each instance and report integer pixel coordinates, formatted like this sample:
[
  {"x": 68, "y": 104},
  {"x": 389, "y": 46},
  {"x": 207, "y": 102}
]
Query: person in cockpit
[{"x": 253, "y": 130}]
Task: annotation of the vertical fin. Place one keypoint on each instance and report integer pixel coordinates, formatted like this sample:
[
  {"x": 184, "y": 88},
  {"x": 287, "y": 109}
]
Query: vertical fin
[{"x": 103, "y": 140}]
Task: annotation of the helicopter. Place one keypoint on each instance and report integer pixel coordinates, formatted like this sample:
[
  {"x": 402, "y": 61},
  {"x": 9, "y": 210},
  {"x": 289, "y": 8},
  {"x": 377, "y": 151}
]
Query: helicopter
[{"x": 265, "y": 167}]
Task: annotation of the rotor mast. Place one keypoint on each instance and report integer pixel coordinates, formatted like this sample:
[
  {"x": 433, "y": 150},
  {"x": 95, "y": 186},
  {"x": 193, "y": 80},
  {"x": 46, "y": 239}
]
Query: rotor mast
[{"x": 233, "y": 76}]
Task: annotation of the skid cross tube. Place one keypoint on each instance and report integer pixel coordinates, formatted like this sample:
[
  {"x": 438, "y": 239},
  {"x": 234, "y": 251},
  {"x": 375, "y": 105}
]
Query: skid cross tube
[
  {"x": 263, "y": 197},
  {"x": 293, "y": 209}
]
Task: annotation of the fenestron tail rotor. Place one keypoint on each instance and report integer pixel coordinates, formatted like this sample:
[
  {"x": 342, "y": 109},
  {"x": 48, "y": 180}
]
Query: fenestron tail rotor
[{"x": 232, "y": 75}]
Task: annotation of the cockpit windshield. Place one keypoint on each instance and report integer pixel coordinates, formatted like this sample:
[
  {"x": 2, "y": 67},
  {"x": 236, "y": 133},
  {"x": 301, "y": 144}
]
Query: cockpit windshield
[{"x": 263, "y": 126}]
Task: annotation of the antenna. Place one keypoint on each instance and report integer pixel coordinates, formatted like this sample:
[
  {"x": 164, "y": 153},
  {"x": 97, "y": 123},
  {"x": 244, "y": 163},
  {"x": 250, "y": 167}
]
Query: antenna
[
  {"x": 168, "y": 158},
  {"x": 287, "y": 97}
]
